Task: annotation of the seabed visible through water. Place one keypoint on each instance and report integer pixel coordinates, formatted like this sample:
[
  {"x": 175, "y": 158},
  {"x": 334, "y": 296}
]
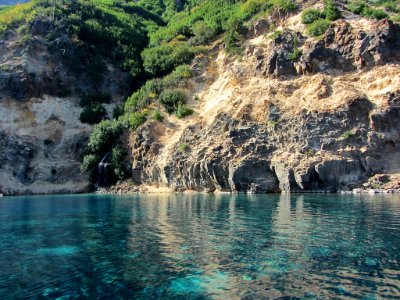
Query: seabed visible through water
[{"x": 196, "y": 246}]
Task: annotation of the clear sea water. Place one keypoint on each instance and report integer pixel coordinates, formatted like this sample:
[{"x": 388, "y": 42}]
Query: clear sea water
[{"x": 200, "y": 247}]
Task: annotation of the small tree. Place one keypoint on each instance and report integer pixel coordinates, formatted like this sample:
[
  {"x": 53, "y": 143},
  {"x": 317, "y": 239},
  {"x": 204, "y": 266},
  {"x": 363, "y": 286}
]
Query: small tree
[
  {"x": 331, "y": 11},
  {"x": 171, "y": 99},
  {"x": 93, "y": 113}
]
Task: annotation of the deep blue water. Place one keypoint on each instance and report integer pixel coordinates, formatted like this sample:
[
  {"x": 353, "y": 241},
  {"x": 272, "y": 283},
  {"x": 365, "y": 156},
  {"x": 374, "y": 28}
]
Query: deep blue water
[{"x": 200, "y": 247}]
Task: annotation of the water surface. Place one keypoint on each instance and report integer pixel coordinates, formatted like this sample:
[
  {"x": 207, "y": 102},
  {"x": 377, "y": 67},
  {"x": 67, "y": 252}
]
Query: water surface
[{"x": 200, "y": 247}]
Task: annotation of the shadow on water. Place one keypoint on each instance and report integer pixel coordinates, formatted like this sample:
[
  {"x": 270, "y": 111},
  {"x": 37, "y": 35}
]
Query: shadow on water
[{"x": 200, "y": 246}]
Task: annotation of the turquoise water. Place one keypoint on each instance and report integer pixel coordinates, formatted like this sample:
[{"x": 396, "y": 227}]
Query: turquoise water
[{"x": 200, "y": 247}]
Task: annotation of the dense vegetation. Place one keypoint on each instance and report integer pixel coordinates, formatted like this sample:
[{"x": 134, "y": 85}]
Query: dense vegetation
[
  {"x": 4, "y": 7},
  {"x": 153, "y": 40},
  {"x": 364, "y": 9},
  {"x": 171, "y": 47},
  {"x": 318, "y": 21},
  {"x": 376, "y": 9}
]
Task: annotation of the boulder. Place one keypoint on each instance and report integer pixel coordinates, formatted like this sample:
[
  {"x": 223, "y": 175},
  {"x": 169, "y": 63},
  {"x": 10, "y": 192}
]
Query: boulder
[
  {"x": 344, "y": 48},
  {"x": 279, "y": 62}
]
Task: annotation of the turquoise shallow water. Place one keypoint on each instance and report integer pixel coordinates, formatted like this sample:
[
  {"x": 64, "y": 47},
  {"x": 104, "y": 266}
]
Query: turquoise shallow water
[{"x": 200, "y": 247}]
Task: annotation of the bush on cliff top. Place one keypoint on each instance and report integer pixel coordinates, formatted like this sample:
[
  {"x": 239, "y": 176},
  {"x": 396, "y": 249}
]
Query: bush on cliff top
[
  {"x": 285, "y": 5},
  {"x": 361, "y": 8},
  {"x": 309, "y": 16},
  {"x": 251, "y": 7},
  {"x": 318, "y": 27},
  {"x": 331, "y": 11},
  {"x": 317, "y": 21}
]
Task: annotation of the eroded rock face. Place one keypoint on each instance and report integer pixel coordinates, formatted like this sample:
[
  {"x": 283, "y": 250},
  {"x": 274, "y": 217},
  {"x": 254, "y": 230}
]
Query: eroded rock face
[
  {"x": 32, "y": 70},
  {"x": 240, "y": 156},
  {"x": 336, "y": 135},
  {"x": 41, "y": 143},
  {"x": 345, "y": 48},
  {"x": 279, "y": 61},
  {"x": 342, "y": 48},
  {"x": 16, "y": 155},
  {"x": 41, "y": 82}
]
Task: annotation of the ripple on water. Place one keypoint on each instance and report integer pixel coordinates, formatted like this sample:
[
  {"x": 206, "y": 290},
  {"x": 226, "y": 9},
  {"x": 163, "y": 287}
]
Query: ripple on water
[
  {"x": 61, "y": 250},
  {"x": 187, "y": 285},
  {"x": 200, "y": 247}
]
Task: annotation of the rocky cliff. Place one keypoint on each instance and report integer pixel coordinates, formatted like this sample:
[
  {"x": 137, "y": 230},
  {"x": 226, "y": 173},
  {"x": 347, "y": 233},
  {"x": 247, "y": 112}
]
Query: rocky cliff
[
  {"x": 283, "y": 111},
  {"x": 41, "y": 136},
  {"x": 265, "y": 122}
]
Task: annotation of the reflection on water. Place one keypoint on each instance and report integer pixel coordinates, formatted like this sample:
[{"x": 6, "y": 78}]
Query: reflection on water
[{"x": 200, "y": 247}]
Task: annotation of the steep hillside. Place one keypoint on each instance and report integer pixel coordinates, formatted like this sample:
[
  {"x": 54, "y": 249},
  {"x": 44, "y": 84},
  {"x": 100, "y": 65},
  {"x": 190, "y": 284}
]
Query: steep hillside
[
  {"x": 58, "y": 61},
  {"x": 287, "y": 112},
  {"x": 243, "y": 96}
]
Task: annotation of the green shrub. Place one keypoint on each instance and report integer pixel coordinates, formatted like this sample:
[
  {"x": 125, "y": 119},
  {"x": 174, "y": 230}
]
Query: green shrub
[
  {"x": 391, "y": 5},
  {"x": 157, "y": 116},
  {"x": 118, "y": 162},
  {"x": 183, "y": 111},
  {"x": 396, "y": 18},
  {"x": 135, "y": 119},
  {"x": 102, "y": 139},
  {"x": 182, "y": 71},
  {"x": 144, "y": 96},
  {"x": 252, "y": 7},
  {"x": 214, "y": 13},
  {"x": 318, "y": 27},
  {"x": 104, "y": 135},
  {"x": 360, "y": 8},
  {"x": 133, "y": 63},
  {"x": 285, "y": 5},
  {"x": 183, "y": 147},
  {"x": 153, "y": 88},
  {"x": 163, "y": 59},
  {"x": 202, "y": 33},
  {"x": 135, "y": 101},
  {"x": 93, "y": 113},
  {"x": 356, "y": 6},
  {"x": 90, "y": 162},
  {"x": 274, "y": 35},
  {"x": 234, "y": 35},
  {"x": 331, "y": 11},
  {"x": 309, "y": 16},
  {"x": 374, "y": 13},
  {"x": 310, "y": 152},
  {"x": 171, "y": 99},
  {"x": 296, "y": 54}
]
